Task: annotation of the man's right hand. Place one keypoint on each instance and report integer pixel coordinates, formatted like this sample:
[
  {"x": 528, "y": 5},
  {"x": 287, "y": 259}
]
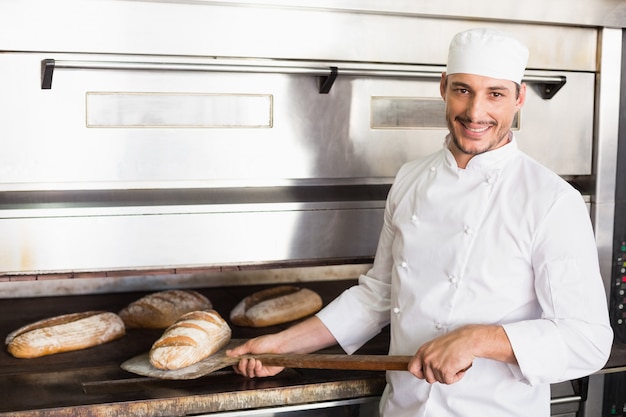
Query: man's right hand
[
  {"x": 252, "y": 368},
  {"x": 307, "y": 336}
]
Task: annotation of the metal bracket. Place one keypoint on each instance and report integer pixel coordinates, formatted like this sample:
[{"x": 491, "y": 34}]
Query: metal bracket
[
  {"x": 47, "y": 69},
  {"x": 547, "y": 87},
  {"x": 327, "y": 81}
]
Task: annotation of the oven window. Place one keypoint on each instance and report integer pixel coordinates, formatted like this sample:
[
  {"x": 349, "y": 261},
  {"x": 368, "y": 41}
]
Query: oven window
[
  {"x": 176, "y": 110},
  {"x": 411, "y": 113}
]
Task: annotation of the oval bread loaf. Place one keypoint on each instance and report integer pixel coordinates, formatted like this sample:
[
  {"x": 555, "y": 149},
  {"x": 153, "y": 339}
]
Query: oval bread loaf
[
  {"x": 275, "y": 306},
  {"x": 194, "y": 336},
  {"x": 161, "y": 309},
  {"x": 64, "y": 333}
]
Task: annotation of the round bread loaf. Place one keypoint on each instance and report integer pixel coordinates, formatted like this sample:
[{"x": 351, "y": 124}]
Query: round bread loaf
[
  {"x": 64, "y": 333},
  {"x": 161, "y": 309},
  {"x": 194, "y": 336},
  {"x": 275, "y": 306}
]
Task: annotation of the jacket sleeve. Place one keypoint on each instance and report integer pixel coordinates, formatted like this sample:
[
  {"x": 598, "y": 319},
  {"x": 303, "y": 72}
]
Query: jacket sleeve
[{"x": 573, "y": 337}]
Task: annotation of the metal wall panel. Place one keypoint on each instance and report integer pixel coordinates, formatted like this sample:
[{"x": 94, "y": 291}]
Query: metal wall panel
[{"x": 376, "y": 31}]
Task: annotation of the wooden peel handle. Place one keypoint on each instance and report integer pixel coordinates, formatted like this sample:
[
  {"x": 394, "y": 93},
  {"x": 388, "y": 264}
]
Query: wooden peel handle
[{"x": 332, "y": 361}]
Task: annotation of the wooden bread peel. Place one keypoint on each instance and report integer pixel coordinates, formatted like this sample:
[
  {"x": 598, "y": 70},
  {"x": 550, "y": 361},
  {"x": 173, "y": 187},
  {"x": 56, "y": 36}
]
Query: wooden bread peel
[{"x": 141, "y": 364}]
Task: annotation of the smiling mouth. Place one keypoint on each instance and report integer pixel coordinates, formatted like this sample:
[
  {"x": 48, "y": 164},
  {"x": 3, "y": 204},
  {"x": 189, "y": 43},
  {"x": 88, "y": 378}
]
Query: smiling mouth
[
  {"x": 477, "y": 130},
  {"x": 482, "y": 127}
]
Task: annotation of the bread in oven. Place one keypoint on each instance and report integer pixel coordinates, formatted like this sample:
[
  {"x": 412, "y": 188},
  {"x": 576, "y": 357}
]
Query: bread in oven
[
  {"x": 275, "y": 305},
  {"x": 64, "y": 333},
  {"x": 161, "y": 309},
  {"x": 192, "y": 338}
]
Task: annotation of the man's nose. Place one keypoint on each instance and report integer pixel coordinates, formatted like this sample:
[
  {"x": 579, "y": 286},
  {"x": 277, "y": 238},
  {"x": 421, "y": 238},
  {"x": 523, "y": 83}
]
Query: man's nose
[{"x": 476, "y": 108}]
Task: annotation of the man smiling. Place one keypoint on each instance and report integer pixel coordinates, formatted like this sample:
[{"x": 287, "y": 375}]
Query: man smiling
[
  {"x": 480, "y": 108},
  {"x": 483, "y": 266}
]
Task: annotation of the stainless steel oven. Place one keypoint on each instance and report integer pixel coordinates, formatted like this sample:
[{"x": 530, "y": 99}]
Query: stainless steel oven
[{"x": 225, "y": 144}]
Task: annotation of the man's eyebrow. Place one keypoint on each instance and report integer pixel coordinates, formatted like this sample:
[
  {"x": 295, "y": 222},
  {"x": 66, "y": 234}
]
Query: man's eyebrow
[
  {"x": 459, "y": 84},
  {"x": 499, "y": 88}
]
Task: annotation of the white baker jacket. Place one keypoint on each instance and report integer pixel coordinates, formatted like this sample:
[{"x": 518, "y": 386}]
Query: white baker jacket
[{"x": 502, "y": 241}]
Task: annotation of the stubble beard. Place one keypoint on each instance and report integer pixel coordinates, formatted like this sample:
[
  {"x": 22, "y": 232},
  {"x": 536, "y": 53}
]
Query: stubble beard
[{"x": 504, "y": 135}]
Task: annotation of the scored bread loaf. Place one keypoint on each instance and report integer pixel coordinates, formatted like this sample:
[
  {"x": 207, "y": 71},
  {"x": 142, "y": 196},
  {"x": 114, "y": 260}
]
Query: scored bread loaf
[
  {"x": 275, "y": 305},
  {"x": 161, "y": 309},
  {"x": 194, "y": 337},
  {"x": 64, "y": 333}
]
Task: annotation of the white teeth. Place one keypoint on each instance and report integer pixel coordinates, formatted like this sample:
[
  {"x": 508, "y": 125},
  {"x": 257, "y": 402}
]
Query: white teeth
[{"x": 482, "y": 129}]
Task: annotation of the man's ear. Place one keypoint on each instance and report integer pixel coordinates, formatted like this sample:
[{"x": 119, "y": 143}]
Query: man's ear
[
  {"x": 521, "y": 99},
  {"x": 442, "y": 86}
]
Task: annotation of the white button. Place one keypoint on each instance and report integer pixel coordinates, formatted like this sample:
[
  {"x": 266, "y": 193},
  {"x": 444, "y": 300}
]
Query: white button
[
  {"x": 396, "y": 310},
  {"x": 489, "y": 180},
  {"x": 439, "y": 326},
  {"x": 404, "y": 264},
  {"x": 453, "y": 279},
  {"x": 414, "y": 218},
  {"x": 468, "y": 230},
  {"x": 432, "y": 169}
]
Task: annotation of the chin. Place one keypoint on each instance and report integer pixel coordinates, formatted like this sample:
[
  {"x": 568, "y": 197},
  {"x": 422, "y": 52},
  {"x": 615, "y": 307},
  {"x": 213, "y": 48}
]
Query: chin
[{"x": 471, "y": 146}]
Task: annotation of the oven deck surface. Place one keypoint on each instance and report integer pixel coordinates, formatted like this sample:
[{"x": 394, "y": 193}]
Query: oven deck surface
[{"x": 91, "y": 382}]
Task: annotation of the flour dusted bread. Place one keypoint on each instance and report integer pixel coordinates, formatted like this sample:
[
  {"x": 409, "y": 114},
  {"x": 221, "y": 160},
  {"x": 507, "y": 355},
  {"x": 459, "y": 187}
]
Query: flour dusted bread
[
  {"x": 275, "y": 305},
  {"x": 64, "y": 333},
  {"x": 161, "y": 309},
  {"x": 194, "y": 336}
]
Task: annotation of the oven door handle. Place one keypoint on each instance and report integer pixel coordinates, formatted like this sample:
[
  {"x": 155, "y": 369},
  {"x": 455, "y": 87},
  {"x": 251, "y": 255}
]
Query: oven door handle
[
  {"x": 327, "y": 74},
  {"x": 578, "y": 397},
  {"x": 548, "y": 85}
]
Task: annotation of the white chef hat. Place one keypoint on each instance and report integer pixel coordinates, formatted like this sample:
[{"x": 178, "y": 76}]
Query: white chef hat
[{"x": 487, "y": 52}]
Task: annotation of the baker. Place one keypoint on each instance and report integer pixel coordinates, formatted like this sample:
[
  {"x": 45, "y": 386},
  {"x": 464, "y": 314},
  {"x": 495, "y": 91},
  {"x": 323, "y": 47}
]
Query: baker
[{"x": 486, "y": 267}]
